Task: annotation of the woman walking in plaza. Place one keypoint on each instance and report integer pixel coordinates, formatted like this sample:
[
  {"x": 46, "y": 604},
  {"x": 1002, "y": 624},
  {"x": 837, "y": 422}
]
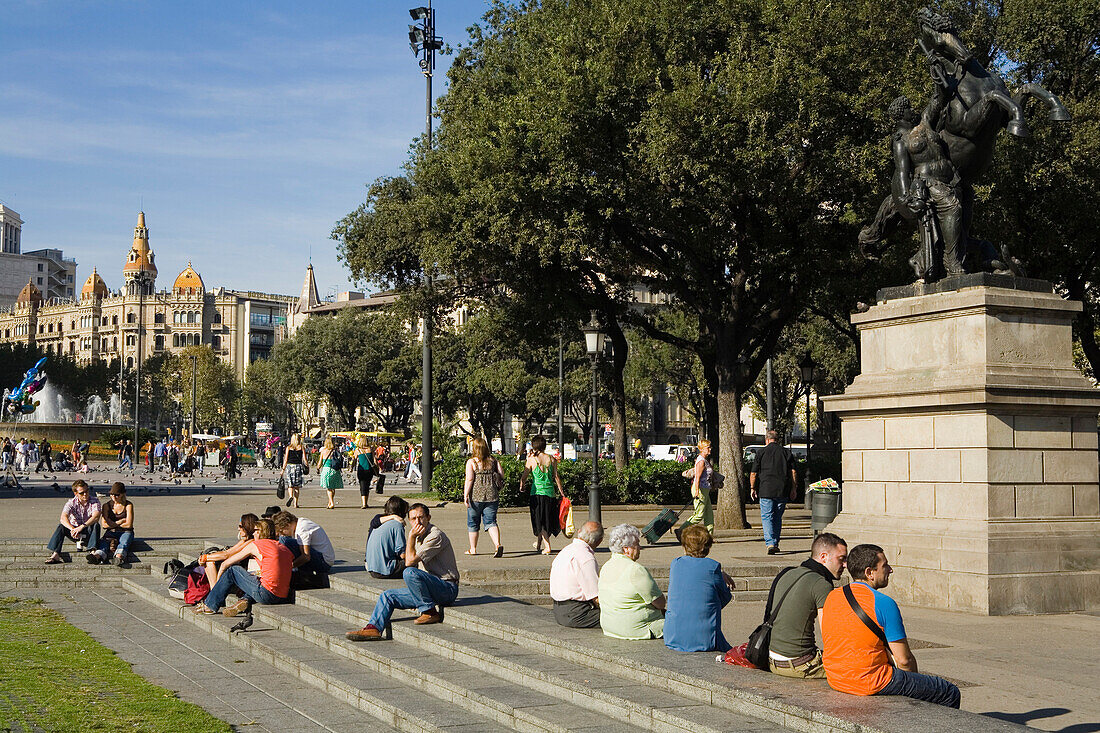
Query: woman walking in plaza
[
  {"x": 543, "y": 471},
  {"x": 364, "y": 467},
  {"x": 329, "y": 465},
  {"x": 292, "y": 468},
  {"x": 701, "y": 484},
  {"x": 481, "y": 494}
]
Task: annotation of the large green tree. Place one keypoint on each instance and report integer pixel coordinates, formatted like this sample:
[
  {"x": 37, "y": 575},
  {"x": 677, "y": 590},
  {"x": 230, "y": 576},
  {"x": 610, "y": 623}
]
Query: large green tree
[
  {"x": 354, "y": 359},
  {"x": 708, "y": 151}
]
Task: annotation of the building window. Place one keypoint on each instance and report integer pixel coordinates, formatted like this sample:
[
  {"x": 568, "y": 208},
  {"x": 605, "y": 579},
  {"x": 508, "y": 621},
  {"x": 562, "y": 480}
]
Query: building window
[
  {"x": 130, "y": 340},
  {"x": 217, "y": 317},
  {"x": 129, "y": 362},
  {"x": 158, "y": 318},
  {"x": 130, "y": 317},
  {"x": 159, "y": 343},
  {"x": 114, "y": 320},
  {"x": 40, "y": 269},
  {"x": 216, "y": 342},
  {"x": 72, "y": 325},
  {"x": 114, "y": 343}
]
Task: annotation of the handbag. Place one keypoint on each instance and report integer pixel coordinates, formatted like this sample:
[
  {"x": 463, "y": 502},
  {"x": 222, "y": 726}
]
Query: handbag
[
  {"x": 565, "y": 506},
  {"x": 198, "y": 586},
  {"x": 280, "y": 487},
  {"x": 565, "y": 514},
  {"x": 761, "y": 637}
]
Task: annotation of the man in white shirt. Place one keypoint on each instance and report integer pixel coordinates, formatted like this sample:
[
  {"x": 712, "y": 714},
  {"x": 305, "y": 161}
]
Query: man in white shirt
[
  {"x": 313, "y": 551},
  {"x": 575, "y": 578}
]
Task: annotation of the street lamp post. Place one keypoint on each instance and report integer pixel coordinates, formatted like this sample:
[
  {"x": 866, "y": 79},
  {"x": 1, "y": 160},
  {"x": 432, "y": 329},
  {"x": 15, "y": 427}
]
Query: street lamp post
[
  {"x": 808, "y": 367},
  {"x": 424, "y": 43},
  {"x": 594, "y": 344},
  {"x": 194, "y": 388},
  {"x": 561, "y": 394},
  {"x": 142, "y": 279}
]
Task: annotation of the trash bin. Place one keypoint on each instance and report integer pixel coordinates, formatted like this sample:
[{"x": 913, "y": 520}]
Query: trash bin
[{"x": 824, "y": 506}]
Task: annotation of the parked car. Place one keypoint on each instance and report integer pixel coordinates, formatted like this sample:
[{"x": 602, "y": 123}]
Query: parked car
[{"x": 670, "y": 452}]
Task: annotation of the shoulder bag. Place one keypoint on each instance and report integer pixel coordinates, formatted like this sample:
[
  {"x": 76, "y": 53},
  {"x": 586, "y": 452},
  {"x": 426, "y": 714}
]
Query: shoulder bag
[
  {"x": 760, "y": 639},
  {"x": 862, "y": 616}
]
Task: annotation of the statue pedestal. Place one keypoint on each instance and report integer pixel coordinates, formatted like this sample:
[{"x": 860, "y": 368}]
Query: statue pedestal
[{"x": 970, "y": 451}]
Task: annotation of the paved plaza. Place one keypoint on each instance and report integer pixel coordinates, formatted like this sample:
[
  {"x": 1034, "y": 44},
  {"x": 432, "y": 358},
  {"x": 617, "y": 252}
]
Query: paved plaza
[{"x": 993, "y": 659}]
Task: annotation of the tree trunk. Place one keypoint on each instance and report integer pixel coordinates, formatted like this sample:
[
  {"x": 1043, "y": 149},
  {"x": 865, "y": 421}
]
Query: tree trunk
[
  {"x": 618, "y": 392},
  {"x": 730, "y": 512},
  {"x": 710, "y": 411}
]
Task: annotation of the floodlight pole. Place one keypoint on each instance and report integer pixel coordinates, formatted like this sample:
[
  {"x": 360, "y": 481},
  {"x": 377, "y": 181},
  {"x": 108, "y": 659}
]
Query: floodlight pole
[{"x": 425, "y": 47}]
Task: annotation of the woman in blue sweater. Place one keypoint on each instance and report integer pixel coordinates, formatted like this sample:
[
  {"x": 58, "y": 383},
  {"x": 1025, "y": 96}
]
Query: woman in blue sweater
[{"x": 698, "y": 590}]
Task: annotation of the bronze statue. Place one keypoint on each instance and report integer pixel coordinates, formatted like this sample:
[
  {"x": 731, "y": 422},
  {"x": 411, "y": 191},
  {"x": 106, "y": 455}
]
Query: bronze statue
[{"x": 940, "y": 156}]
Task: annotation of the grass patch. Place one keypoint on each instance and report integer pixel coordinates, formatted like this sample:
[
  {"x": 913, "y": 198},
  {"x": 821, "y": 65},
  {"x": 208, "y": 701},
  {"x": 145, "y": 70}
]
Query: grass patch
[{"x": 53, "y": 676}]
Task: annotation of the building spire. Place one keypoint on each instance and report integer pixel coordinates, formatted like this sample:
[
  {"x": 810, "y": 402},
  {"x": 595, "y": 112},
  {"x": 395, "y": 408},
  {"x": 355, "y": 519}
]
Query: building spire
[
  {"x": 140, "y": 261},
  {"x": 309, "y": 298}
]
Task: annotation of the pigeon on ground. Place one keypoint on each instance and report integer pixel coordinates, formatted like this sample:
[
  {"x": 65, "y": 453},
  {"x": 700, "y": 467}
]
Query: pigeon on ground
[
  {"x": 203, "y": 486},
  {"x": 206, "y": 500},
  {"x": 243, "y": 624},
  {"x": 55, "y": 487}
]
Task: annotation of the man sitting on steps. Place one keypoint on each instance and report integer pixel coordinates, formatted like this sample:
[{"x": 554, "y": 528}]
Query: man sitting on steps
[
  {"x": 862, "y": 633},
  {"x": 431, "y": 578},
  {"x": 575, "y": 580},
  {"x": 313, "y": 552},
  {"x": 792, "y": 649}
]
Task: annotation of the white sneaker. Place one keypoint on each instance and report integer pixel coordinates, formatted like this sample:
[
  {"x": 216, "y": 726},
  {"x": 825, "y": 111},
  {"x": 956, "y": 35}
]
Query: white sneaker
[{"x": 80, "y": 546}]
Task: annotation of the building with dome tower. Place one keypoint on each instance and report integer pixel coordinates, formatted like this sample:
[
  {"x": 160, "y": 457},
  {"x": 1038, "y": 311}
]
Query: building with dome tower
[{"x": 101, "y": 324}]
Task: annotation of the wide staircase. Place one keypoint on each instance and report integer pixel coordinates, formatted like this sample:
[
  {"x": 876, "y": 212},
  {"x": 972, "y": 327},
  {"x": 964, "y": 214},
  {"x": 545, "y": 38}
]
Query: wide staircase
[{"x": 495, "y": 663}]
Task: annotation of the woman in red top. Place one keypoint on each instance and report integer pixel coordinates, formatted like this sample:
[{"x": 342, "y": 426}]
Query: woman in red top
[{"x": 271, "y": 587}]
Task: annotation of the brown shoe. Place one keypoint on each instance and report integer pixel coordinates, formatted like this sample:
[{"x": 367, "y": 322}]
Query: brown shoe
[
  {"x": 367, "y": 633},
  {"x": 241, "y": 606},
  {"x": 430, "y": 617}
]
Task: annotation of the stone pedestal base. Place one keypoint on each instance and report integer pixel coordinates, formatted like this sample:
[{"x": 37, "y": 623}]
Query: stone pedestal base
[{"x": 970, "y": 452}]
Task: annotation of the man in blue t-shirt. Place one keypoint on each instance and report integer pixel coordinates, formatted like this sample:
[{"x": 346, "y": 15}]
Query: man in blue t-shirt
[{"x": 385, "y": 555}]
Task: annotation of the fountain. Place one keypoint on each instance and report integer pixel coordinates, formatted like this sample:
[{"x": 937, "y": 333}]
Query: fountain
[{"x": 55, "y": 419}]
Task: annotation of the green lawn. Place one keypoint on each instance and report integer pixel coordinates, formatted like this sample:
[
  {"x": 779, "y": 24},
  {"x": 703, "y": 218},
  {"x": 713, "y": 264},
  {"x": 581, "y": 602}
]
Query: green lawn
[{"x": 55, "y": 677}]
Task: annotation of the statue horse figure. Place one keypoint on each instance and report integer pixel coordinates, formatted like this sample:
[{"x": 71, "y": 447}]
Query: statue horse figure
[{"x": 977, "y": 106}]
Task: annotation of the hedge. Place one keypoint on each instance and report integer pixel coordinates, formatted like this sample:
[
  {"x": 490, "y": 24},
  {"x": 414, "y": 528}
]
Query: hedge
[{"x": 641, "y": 482}]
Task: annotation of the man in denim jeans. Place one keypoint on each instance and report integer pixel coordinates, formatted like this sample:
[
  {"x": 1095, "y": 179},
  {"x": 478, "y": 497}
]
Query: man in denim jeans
[
  {"x": 859, "y": 651},
  {"x": 431, "y": 578},
  {"x": 772, "y": 470}
]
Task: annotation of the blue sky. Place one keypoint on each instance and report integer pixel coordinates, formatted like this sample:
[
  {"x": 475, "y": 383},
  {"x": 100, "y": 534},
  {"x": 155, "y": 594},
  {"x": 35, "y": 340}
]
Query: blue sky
[{"x": 244, "y": 129}]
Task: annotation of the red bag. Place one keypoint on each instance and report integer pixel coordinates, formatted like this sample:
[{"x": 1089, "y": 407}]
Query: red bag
[
  {"x": 563, "y": 511},
  {"x": 736, "y": 656},
  {"x": 197, "y": 587}
]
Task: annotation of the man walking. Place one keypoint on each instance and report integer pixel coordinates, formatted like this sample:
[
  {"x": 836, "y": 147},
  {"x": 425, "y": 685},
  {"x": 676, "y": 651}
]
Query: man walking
[
  {"x": 431, "y": 578},
  {"x": 44, "y": 457},
  {"x": 862, "y": 630},
  {"x": 126, "y": 456},
  {"x": 803, "y": 590},
  {"x": 773, "y": 480},
  {"x": 575, "y": 580}
]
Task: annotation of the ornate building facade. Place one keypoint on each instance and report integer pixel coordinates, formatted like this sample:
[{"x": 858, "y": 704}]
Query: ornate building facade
[{"x": 240, "y": 326}]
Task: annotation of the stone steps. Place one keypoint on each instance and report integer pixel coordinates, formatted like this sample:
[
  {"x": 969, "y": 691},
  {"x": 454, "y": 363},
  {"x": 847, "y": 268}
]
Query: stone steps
[
  {"x": 805, "y": 706},
  {"x": 168, "y": 651},
  {"x": 600, "y": 691},
  {"x": 388, "y": 682}
]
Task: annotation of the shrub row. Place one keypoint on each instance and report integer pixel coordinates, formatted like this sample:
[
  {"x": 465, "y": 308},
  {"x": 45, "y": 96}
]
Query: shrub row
[{"x": 640, "y": 482}]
